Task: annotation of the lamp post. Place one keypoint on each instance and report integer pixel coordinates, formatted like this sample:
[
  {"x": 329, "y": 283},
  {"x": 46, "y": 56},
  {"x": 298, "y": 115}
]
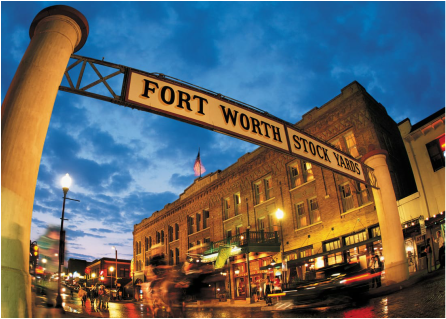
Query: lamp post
[
  {"x": 111, "y": 276},
  {"x": 279, "y": 216},
  {"x": 116, "y": 259},
  {"x": 66, "y": 183}
]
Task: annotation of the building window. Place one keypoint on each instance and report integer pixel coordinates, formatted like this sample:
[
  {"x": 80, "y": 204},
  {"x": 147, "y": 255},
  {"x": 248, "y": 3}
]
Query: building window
[
  {"x": 268, "y": 188},
  {"x": 436, "y": 150},
  {"x": 177, "y": 232},
  {"x": 207, "y": 240},
  {"x": 226, "y": 207},
  {"x": 333, "y": 259},
  {"x": 191, "y": 244},
  {"x": 190, "y": 225},
  {"x": 302, "y": 218},
  {"x": 261, "y": 223},
  {"x": 364, "y": 194},
  {"x": 229, "y": 234},
  {"x": 162, "y": 237},
  {"x": 171, "y": 257},
  {"x": 356, "y": 238},
  {"x": 337, "y": 144},
  {"x": 300, "y": 172},
  {"x": 258, "y": 192},
  {"x": 306, "y": 251},
  {"x": 150, "y": 242},
  {"x": 236, "y": 204},
  {"x": 139, "y": 247},
  {"x": 198, "y": 217},
  {"x": 238, "y": 230},
  {"x": 346, "y": 197},
  {"x": 315, "y": 215},
  {"x": 170, "y": 233},
  {"x": 158, "y": 237},
  {"x": 205, "y": 219},
  {"x": 177, "y": 256},
  {"x": 146, "y": 243},
  {"x": 351, "y": 144}
]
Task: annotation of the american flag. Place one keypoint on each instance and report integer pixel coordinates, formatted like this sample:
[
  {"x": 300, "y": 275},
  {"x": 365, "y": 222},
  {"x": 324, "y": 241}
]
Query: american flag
[{"x": 198, "y": 166}]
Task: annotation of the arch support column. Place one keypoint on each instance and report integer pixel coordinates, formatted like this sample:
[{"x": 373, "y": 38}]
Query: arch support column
[
  {"x": 56, "y": 32},
  {"x": 396, "y": 268}
]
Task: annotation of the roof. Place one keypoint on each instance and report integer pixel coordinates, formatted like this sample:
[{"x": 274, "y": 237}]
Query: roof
[{"x": 427, "y": 120}]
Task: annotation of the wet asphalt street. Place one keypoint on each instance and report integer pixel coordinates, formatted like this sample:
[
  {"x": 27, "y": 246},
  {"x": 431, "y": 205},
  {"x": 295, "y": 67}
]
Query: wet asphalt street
[{"x": 426, "y": 299}]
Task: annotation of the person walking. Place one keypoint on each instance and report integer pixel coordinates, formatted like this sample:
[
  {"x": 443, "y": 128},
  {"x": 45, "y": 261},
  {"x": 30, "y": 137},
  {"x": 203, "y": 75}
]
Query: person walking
[
  {"x": 428, "y": 251},
  {"x": 375, "y": 268},
  {"x": 268, "y": 292},
  {"x": 440, "y": 241},
  {"x": 82, "y": 296}
]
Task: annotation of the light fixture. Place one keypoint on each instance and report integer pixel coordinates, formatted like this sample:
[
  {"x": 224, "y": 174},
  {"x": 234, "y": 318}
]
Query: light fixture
[
  {"x": 66, "y": 182},
  {"x": 237, "y": 271},
  {"x": 279, "y": 213}
]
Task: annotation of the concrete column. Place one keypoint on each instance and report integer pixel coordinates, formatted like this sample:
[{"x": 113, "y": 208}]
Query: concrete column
[
  {"x": 56, "y": 32},
  {"x": 396, "y": 267}
]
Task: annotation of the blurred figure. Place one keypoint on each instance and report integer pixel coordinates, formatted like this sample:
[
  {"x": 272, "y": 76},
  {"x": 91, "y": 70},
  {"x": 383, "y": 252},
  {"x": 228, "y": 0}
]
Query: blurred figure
[
  {"x": 375, "y": 268},
  {"x": 440, "y": 241},
  {"x": 82, "y": 294},
  {"x": 428, "y": 251}
]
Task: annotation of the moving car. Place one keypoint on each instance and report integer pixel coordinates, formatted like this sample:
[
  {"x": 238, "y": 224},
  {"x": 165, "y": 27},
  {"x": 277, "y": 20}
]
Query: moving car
[{"x": 333, "y": 284}]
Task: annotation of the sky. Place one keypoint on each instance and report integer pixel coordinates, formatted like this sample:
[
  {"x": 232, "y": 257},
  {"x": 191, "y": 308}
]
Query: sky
[{"x": 282, "y": 57}]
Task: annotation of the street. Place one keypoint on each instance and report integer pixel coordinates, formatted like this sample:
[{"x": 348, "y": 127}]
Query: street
[{"x": 425, "y": 299}]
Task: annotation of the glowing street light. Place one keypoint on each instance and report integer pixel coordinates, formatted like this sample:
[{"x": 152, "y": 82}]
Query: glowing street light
[{"x": 279, "y": 216}]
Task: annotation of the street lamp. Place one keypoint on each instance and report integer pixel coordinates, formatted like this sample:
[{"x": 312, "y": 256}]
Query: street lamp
[
  {"x": 66, "y": 183},
  {"x": 116, "y": 259},
  {"x": 279, "y": 216},
  {"x": 111, "y": 276}
]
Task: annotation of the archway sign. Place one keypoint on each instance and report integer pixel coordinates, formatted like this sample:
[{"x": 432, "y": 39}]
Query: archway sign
[{"x": 164, "y": 95}]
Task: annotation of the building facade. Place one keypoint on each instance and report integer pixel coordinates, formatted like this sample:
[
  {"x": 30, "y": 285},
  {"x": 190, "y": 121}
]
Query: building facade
[
  {"x": 422, "y": 213},
  {"x": 105, "y": 270},
  {"x": 77, "y": 266},
  {"x": 328, "y": 218}
]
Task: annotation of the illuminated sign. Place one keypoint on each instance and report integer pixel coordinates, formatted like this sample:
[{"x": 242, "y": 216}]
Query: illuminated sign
[{"x": 211, "y": 111}]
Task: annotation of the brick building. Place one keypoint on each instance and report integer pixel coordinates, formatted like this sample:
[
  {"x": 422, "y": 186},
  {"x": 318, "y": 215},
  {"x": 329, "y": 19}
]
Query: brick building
[
  {"x": 328, "y": 218},
  {"x": 105, "y": 270}
]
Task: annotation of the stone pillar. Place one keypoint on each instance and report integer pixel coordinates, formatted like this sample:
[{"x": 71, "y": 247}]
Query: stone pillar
[
  {"x": 56, "y": 32},
  {"x": 396, "y": 268}
]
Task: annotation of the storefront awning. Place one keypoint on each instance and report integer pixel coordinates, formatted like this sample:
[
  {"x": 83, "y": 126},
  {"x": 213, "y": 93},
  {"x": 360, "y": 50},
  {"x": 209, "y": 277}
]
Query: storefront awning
[{"x": 295, "y": 262}]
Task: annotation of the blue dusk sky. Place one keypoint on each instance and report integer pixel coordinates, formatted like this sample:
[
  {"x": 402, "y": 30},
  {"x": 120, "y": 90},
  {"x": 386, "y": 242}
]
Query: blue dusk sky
[{"x": 282, "y": 57}]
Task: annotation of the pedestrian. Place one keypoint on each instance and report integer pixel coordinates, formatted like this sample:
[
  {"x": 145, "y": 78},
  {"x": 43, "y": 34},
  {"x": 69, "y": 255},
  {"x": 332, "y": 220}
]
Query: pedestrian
[
  {"x": 82, "y": 296},
  {"x": 268, "y": 292},
  {"x": 101, "y": 298},
  {"x": 375, "y": 268},
  {"x": 253, "y": 289},
  {"x": 277, "y": 285},
  {"x": 428, "y": 251},
  {"x": 440, "y": 241}
]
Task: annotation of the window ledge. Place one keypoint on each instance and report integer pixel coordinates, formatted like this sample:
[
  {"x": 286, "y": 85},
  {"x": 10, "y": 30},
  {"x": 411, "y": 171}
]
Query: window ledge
[
  {"x": 263, "y": 203},
  {"x": 197, "y": 232},
  {"x": 304, "y": 184},
  {"x": 231, "y": 218},
  {"x": 308, "y": 226},
  {"x": 356, "y": 209}
]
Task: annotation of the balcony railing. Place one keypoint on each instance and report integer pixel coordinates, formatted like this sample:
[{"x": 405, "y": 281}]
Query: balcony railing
[{"x": 257, "y": 238}]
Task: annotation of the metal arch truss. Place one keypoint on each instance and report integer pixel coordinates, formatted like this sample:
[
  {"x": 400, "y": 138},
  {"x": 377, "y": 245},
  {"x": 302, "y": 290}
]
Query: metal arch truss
[
  {"x": 119, "y": 69},
  {"x": 119, "y": 98}
]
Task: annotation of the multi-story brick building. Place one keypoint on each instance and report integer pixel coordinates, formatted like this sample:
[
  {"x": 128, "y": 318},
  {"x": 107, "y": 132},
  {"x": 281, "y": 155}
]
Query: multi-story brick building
[{"x": 328, "y": 218}]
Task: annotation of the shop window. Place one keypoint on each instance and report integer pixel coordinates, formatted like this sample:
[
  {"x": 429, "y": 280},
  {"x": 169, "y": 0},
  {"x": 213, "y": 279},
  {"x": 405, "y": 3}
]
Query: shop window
[
  {"x": 355, "y": 238},
  {"x": 332, "y": 245},
  {"x": 315, "y": 215},
  {"x": 436, "y": 150},
  {"x": 364, "y": 193},
  {"x": 236, "y": 204},
  {"x": 177, "y": 231},
  {"x": 375, "y": 232},
  {"x": 355, "y": 254},
  {"x": 333, "y": 259},
  {"x": 226, "y": 207},
  {"x": 346, "y": 197},
  {"x": 351, "y": 144},
  {"x": 302, "y": 217}
]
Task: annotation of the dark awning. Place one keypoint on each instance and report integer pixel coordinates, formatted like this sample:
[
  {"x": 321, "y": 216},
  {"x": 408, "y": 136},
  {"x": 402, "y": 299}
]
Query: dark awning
[
  {"x": 295, "y": 262},
  {"x": 276, "y": 266}
]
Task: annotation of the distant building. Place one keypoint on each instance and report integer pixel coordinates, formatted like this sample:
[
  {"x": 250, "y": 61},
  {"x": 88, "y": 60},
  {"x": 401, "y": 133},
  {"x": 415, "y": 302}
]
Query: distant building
[
  {"x": 328, "y": 218},
  {"x": 77, "y": 266},
  {"x": 103, "y": 271},
  {"x": 422, "y": 213}
]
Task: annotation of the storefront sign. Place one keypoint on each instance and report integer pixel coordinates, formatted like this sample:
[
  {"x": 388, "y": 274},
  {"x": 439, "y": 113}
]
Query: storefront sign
[
  {"x": 199, "y": 107},
  {"x": 419, "y": 239}
]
